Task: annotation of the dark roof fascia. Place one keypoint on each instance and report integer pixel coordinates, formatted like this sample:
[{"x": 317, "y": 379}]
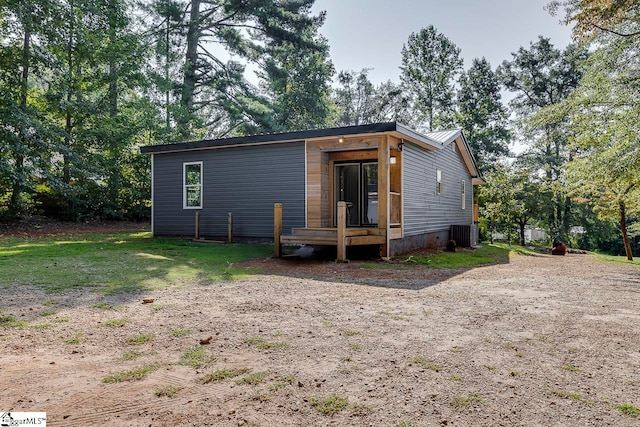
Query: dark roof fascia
[
  {"x": 473, "y": 159},
  {"x": 275, "y": 137}
]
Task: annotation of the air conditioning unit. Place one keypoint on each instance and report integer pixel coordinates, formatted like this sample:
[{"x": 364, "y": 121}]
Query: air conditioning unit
[{"x": 465, "y": 235}]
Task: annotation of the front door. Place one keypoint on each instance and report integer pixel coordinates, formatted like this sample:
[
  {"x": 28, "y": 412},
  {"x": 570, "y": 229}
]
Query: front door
[{"x": 357, "y": 185}]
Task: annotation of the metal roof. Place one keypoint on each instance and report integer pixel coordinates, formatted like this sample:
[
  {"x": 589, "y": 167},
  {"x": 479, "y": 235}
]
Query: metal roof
[
  {"x": 429, "y": 140},
  {"x": 444, "y": 137},
  {"x": 295, "y": 136},
  {"x": 272, "y": 137}
]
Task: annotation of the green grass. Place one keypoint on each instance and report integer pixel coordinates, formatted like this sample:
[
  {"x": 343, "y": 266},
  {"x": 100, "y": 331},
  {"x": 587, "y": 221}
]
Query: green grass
[
  {"x": 468, "y": 258},
  {"x": 11, "y": 322},
  {"x": 629, "y": 409},
  {"x": 169, "y": 391},
  {"x": 135, "y": 374},
  {"x": 196, "y": 357},
  {"x": 419, "y": 360},
  {"x": 74, "y": 339},
  {"x": 121, "y": 262},
  {"x": 180, "y": 332},
  {"x": 139, "y": 339},
  {"x": 131, "y": 355},
  {"x": 330, "y": 405},
  {"x": 619, "y": 259},
  {"x": 460, "y": 402},
  {"x": 252, "y": 379},
  {"x": 115, "y": 322},
  {"x": 571, "y": 395},
  {"x": 571, "y": 367},
  {"x": 222, "y": 374}
]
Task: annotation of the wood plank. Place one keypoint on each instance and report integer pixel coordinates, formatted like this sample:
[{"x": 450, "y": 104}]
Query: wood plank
[
  {"x": 383, "y": 193},
  {"x": 366, "y": 240},
  {"x": 308, "y": 240},
  {"x": 353, "y": 155},
  {"x": 342, "y": 228},
  {"x": 395, "y": 233},
  {"x": 277, "y": 229}
]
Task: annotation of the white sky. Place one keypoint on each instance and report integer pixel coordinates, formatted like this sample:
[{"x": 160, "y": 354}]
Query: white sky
[{"x": 370, "y": 33}]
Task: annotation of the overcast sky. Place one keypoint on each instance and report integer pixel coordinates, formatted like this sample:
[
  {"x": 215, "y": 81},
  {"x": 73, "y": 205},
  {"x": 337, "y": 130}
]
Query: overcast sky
[{"x": 370, "y": 33}]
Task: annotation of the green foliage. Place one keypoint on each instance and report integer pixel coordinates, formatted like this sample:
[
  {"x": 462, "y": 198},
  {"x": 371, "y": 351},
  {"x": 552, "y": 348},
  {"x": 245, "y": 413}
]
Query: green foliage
[
  {"x": 118, "y": 262},
  {"x": 481, "y": 114},
  {"x": 430, "y": 65},
  {"x": 602, "y": 114},
  {"x": 542, "y": 76},
  {"x": 360, "y": 102}
]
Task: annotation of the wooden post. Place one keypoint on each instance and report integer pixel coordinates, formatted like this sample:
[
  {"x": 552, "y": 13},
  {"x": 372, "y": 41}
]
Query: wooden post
[
  {"x": 342, "y": 231},
  {"x": 197, "y": 225},
  {"x": 383, "y": 193},
  {"x": 277, "y": 230},
  {"x": 230, "y": 228}
]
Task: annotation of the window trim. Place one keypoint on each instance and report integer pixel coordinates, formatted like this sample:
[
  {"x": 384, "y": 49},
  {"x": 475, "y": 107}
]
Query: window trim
[
  {"x": 439, "y": 182},
  {"x": 463, "y": 193},
  {"x": 185, "y": 186}
]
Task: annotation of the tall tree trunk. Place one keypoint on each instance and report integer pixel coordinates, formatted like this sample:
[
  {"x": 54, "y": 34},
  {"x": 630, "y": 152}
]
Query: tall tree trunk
[
  {"x": 166, "y": 73},
  {"x": 66, "y": 158},
  {"x": 114, "y": 144},
  {"x": 623, "y": 227},
  {"x": 522, "y": 225},
  {"x": 190, "y": 70},
  {"x": 18, "y": 183}
]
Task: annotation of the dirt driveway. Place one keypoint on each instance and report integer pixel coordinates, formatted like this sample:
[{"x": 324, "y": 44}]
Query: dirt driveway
[{"x": 541, "y": 341}]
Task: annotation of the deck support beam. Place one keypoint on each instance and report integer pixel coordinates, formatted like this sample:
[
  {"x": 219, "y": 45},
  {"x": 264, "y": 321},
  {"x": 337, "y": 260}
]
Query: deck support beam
[
  {"x": 277, "y": 230},
  {"x": 342, "y": 232},
  {"x": 383, "y": 193}
]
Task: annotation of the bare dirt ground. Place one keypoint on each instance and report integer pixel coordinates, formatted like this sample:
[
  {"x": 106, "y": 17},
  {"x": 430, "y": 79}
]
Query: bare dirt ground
[{"x": 540, "y": 341}]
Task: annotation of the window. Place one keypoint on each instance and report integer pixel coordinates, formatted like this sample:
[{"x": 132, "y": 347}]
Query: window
[
  {"x": 192, "y": 179},
  {"x": 463, "y": 191},
  {"x": 438, "y": 181}
]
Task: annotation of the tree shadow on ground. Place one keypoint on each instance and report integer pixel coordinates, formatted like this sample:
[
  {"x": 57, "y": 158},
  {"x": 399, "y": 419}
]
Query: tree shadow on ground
[{"x": 415, "y": 271}]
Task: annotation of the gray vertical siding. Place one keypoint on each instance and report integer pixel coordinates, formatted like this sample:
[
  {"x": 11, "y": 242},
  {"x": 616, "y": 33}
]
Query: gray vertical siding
[
  {"x": 246, "y": 181},
  {"x": 424, "y": 210}
]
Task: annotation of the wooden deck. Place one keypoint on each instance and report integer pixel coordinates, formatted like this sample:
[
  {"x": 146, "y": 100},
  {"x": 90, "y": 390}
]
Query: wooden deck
[
  {"x": 341, "y": 236},
  {"x": 329, "y": 236}
]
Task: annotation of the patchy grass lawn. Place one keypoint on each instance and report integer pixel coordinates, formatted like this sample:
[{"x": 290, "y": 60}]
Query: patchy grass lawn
[
  {"x": 620, "y": 259},
  {"x": 112, "y": 263},
  {"x": 485, "y": 254}
]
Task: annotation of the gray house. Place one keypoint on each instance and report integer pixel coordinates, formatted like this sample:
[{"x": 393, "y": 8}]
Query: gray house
[{"x": 401, "y": 189}]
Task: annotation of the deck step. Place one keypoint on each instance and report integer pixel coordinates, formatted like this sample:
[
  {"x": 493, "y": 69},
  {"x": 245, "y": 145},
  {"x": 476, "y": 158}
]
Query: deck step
[
  {"x": 330, "y": 232},
  {"x": 309, "y": 240},
  {"x": 325, "y": 232}
]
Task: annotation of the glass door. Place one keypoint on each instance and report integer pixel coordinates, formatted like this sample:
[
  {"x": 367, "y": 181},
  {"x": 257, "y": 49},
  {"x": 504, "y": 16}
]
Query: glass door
[
  {"x": 357, "y": 185},
  {"x": 347, "y": 178}
]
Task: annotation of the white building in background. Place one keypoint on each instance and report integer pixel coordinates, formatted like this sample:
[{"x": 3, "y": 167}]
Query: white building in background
[{"x": 534, "y": 233}]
